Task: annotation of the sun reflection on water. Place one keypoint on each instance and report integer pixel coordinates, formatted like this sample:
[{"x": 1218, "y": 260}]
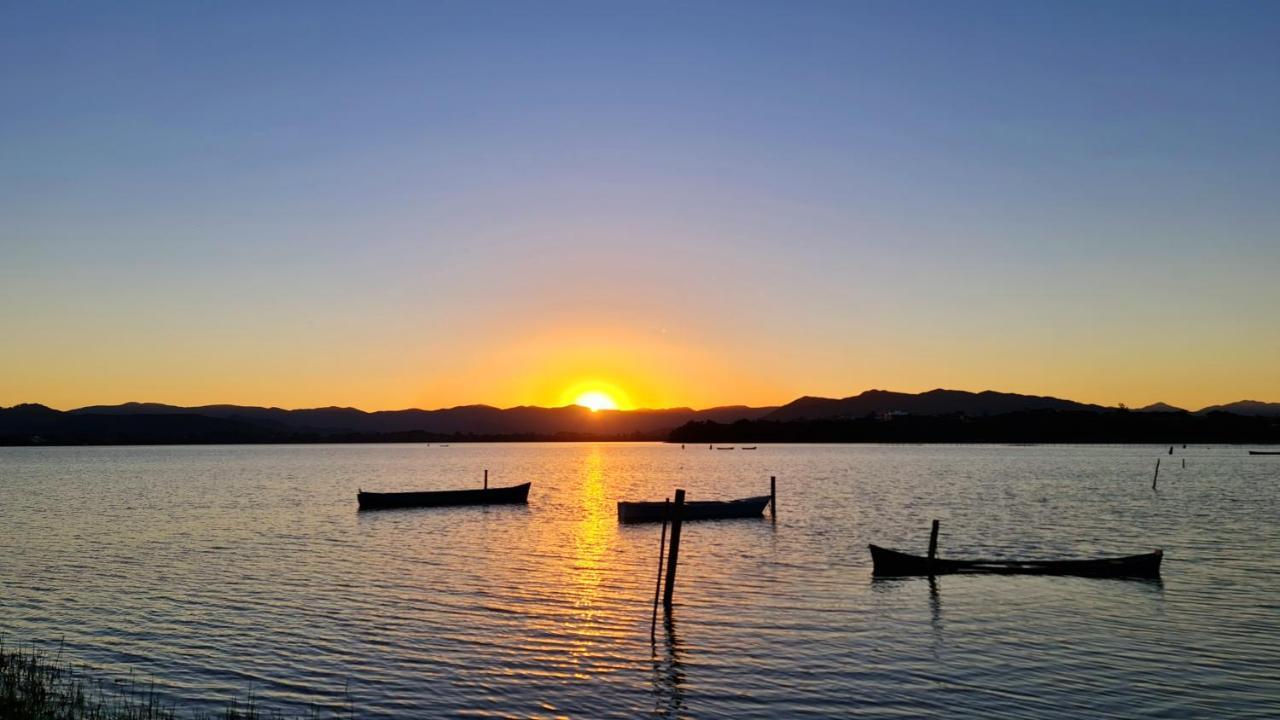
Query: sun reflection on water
[{"x": 592, "y": 537}]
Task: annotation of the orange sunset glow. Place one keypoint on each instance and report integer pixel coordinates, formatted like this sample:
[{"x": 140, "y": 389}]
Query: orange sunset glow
[
  {"x": 596, "y": 395},
  {"x": 682, "y": 250}
]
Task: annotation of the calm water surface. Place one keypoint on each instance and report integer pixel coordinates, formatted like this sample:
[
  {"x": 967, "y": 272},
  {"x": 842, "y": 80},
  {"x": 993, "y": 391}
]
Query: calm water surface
[{"x": 212, "y": 570}]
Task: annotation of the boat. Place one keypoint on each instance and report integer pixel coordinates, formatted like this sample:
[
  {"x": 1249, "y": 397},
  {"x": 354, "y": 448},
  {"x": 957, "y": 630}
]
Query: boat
[
  {"x": 724, "y": 448},
  {"x": 638, "y": 512},
  {"x": 753, "y": 447},
  {"x": 1264, "y": 452},
  {"x": 891, "y": 563},
  {"x": 438, "y": 498}
]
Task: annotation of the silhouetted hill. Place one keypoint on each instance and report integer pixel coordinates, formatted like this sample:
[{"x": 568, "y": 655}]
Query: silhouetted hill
[
  {"x": 937, "y": 415},
  {"x": 25, "y": 428},
  {"x": 328, "y": 419},
  {"x": 1160, "y": 407},
  {"x": 933, "y": 402},
  {"x": 27, "y": 418},
  {"x": 114, "y": 423},
  {"x": 1245, "y": 407}
]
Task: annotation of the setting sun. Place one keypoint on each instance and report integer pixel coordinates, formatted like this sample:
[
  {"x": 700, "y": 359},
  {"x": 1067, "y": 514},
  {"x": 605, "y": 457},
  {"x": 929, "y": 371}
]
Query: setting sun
[
  {"x": 596, "y": 400},
  {"x": 597, "y": 395}
]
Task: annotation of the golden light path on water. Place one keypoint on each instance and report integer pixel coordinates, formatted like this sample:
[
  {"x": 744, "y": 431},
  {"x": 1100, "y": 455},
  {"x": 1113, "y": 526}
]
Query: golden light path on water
[{"x": 591, "y": 539}]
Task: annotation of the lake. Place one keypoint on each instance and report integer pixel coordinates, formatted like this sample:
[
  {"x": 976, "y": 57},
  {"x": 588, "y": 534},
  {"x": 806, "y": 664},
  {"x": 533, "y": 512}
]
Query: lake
[{"x": 214, "y": 570}]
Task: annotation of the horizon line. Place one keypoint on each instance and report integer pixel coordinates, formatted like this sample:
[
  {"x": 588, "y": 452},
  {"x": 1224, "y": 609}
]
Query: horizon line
[{"x": 608, "y": 410}]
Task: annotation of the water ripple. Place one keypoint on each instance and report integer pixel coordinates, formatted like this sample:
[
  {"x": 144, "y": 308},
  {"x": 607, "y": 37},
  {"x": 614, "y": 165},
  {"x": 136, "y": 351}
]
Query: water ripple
[{"x": 214, "y": 570}]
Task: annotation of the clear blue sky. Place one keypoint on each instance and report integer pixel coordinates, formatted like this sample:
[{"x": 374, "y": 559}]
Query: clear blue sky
[{"x": 423, "y": 204}]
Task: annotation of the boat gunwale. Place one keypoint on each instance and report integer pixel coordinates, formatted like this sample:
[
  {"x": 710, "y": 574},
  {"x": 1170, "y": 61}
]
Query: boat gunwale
[
  {"x": 1142, "y": 565},
  {"x": 643, "y": 511},
  {"x": 508, "y": 495}
]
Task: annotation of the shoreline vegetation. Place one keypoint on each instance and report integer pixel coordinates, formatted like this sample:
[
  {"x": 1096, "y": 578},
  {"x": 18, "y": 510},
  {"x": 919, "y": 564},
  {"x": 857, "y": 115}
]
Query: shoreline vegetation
[
  {"x": 35, "y": 685},
  {"x": 317, "y": 439},
  {"x": 1037, "y": 426}
]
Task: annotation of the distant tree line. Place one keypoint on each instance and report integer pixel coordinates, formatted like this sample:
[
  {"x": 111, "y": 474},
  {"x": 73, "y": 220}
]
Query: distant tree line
[
  {"x": 1042, "y": 426},
  {"x": 197, "y": 430}
]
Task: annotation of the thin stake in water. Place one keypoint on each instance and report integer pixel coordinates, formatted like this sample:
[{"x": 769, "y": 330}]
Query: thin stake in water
[
  {"x": 673, "y": 554},
  {"x": 662, "y": 544},
  {"x": 933, "y": 541}
]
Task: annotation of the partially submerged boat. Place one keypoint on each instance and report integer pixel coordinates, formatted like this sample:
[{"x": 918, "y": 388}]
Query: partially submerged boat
[
  {"x": 638, "y": 512},
  {"x": 516, "y": 494},
  {"x": 1264, "y": 452},
  {"x": 891, "y": 563}
]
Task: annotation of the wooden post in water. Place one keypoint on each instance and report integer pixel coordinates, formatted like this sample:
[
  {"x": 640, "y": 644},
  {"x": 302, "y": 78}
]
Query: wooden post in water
[
  {"x": 1155, "y": 477},
  {"x": 1170, "y": 449},
  {"x": 933, "y": 541},
  {"x": 657, "y": 586},
  {"x": 1184, "y": 463},
  {"x": 486, "y": 479},
  {"x": 673, "y": 554},
  {"x": 773, "y": 497}
]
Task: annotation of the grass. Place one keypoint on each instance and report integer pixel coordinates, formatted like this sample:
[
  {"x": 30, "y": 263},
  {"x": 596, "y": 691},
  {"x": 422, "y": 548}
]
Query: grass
[{"x": 37, "y": 686}]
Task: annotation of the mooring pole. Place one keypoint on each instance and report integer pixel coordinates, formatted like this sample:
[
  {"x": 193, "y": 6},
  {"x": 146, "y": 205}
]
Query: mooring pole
[
  {"x": 1155, "y": 477},
  {"x": 773, "y": 496},
  {"x": 933, "y": 541},
  {"x": 657, "y": 586},
  {"x": 1184, "y": 463},
  {"x": 486, "y": 479},
  {"x": 673, "y": 554}
]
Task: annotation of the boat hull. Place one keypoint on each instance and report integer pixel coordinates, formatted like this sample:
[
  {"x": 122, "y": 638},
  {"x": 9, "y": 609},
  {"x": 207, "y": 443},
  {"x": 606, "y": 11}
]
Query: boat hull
[
  {"x": 640, "y": 512},
  {"x": 1264, "y": 452},
  {"x": 891, "y": 563},
  {"x": 516, "y": 494}
]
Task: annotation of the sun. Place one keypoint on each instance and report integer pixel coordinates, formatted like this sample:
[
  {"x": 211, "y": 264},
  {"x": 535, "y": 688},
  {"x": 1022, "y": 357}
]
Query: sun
[
  {"x": 596, "y": 394},
  {"x": 596, "y": 400}
]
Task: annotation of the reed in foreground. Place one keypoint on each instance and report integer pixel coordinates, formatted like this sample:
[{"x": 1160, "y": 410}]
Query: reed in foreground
[{"x": 37, "y": 686}]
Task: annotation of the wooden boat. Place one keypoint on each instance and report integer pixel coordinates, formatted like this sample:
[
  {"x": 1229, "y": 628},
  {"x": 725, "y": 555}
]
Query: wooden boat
[
  {"x": 1264, "y": 452},
  {"x": 487, "y": 496},
  {"x": 891, "y": 563},
  {"x": 638, "y": 512},
  {"x": 725, "y": 448},
  {"x": 753, "y": 447}
]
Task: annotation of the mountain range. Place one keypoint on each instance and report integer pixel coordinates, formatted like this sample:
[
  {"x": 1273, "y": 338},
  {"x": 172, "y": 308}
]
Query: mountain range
[{"x": 154, "y": 422}]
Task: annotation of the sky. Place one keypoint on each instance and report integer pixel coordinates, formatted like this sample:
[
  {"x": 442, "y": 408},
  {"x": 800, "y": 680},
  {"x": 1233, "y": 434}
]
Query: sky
[{"x": 397, "y": 205}]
